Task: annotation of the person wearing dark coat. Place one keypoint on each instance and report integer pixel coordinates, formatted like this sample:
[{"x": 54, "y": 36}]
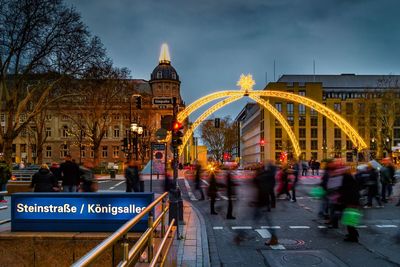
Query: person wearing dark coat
[
  {"x": 132, "y": 177},
  {"x": 88, "y": 180},
  {"x": 69, "y": 173},
  {"x": 44, "y": 180},
  {"x": 349, "y": 198},
  {"x": 371, "y": 183},
  {"x": 197, "y": 181},
  {"x": 212, "y": 192},
  {"x": 230, "y": 191}
]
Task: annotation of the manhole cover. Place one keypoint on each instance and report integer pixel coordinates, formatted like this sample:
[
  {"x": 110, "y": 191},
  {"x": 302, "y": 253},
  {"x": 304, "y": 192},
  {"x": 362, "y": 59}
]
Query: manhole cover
[
  {"x": 302, "y": 260},
  {"x": 290, "y": 242}
]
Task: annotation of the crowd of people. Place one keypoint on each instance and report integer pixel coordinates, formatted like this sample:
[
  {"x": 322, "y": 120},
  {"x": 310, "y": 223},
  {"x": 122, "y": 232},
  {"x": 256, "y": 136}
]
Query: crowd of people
[{"x": 344, "y": 192}]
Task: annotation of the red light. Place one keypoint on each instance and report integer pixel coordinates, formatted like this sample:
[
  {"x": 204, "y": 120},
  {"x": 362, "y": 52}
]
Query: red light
[
  {"x": 177, "y": 125},
  {"x": 262, "y": 142}
]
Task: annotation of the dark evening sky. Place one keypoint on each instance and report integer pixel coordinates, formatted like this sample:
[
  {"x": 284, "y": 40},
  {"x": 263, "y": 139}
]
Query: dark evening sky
[{"x": 212, "y": 42}]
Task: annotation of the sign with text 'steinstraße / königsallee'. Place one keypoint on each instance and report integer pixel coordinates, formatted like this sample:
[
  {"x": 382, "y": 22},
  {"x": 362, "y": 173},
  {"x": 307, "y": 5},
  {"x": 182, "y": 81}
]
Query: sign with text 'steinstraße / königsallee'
[{"x": 77, "y": 212}]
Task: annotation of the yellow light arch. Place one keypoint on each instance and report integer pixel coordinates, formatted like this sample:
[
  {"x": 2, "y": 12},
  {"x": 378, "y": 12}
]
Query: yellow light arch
[
  {"x": 327, "y": 112},
  {"x": 229, "y": 100}
]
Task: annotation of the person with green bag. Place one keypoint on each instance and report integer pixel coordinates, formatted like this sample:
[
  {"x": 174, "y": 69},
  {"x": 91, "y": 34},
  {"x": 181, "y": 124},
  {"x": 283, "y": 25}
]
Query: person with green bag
[{"x": 349, "y": 198}]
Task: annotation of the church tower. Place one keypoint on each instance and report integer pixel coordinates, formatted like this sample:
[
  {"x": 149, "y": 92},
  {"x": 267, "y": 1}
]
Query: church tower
[{"x": 164, "y": 80}]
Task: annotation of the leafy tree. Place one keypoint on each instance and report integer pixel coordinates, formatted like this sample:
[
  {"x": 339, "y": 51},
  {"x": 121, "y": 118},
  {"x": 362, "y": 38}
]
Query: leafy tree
[
  {"x": 219, "y": 140},
  {"x": 43, "y": 44}
]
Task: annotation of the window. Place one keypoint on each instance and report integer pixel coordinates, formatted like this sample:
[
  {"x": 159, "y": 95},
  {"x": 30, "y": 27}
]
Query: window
[
  {"x": 48, "y": 132},
  {"x": 337, "y": 107},
  {"x": 302, "y": 109},
  {"x": 361, "y": 108},
  {"x": 349, "y": 145},
  {"x": 104, "y": 151},
  {"x": 2, "y": 117},
  {"x": 302, "y": 132},
  {"x": 23, "y": 148},
  {"x": 396, "y": 133},
  {"x": 48, "y": 117},
  {"x": 314, "y": 144},
  {"x": 115, "y": 151},
  {"x": 349, "y": 108},
  {"x": 64, "y": 151},
  {"x": 290, "y": 120},
  {"x": 116, "y": 132},
  {"x": 302, "y": 92},
  {"x": 289, "y": 108},
  {"x": 278, "y": 132},
  {"x": 278, "y": 144},
  {"x": 302, "y": 121},
  {"x": 48, "y": 151},
  {"x": 159, "y": 75},
  {"x": 64, "y": 117},
  {"x": 302, "y": 144},
  {"x": 361, "y": 121},
  {"x": 83, "y": 151},
  {"x": 338, "y": 144},
  {"x": 313, "y": 112},
  {"x": 278, "y": 106},
  {"x": 116, "y": 116},
  {"x": 314, "y": 121},
  {"x": 314, "y": 133},
  {"x": 173, "y": 75},
  {"x": 277, "y": 156},
  {"x": 64, "y": 131},
  {"x": 338, "y": 133}
]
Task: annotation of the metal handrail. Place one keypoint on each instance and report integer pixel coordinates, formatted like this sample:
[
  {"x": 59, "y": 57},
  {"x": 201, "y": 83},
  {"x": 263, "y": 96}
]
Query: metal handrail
[
  {"x": 158, "y": 254},
  {"x": 117, "y": 235}
]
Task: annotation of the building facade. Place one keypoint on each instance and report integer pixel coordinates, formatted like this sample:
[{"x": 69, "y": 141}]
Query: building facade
[
  {"x": 156, "y": 96},
  {"x": 370, "y": 103}
]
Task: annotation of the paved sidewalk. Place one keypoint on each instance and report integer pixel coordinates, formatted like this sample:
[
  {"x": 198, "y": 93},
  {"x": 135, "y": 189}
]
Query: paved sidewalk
[{"x": 193, "y": 247}]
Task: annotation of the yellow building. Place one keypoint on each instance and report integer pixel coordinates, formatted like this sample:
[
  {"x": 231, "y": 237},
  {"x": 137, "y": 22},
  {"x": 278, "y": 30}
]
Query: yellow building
[{"x": 370, "y": 103}]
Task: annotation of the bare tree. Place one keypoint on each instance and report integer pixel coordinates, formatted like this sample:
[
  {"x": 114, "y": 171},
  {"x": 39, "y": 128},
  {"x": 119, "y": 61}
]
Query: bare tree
[
  {"x": 219, "y": 140},
  {"x": 42, "y": 43}
]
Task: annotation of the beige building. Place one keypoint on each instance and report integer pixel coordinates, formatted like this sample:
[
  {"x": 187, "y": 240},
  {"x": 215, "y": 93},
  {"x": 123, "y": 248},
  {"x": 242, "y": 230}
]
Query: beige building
[
  {"x": 370, "y": 103},
  {"x": 156, "y": 102}
]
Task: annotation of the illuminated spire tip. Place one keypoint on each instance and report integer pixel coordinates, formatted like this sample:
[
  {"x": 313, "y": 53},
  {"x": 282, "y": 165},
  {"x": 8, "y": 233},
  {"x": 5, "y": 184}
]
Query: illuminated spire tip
[{"x": 164, "y": 54}]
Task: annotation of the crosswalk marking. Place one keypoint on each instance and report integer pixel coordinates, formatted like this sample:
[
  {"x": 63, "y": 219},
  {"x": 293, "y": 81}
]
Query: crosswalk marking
[
  {"x": 189, "y": 190},
  {"x": 299, "y": 227},
  {"x": 386, "y": 226},
  {"x": 264, "y": 233},
  {"x": 277, "y": 247},
  {"x": 218, "y": 227},
  {"x": 242, "y": 227},
  {"x": 361, "y": 226},
  {"x": 322, "y": 226},
  {"x": 270, "y": 227}
]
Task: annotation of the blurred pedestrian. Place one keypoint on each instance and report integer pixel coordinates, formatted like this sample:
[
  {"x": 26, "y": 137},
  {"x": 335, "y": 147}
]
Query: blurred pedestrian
[
  {"x": 371, "y": 183},
  {"x": 349, "y": 198},
  {"x": 230, "y": 191},
  {"x": 387, "y": 179},
  {"x": 5, "y": 175},
  {"x": 317, "y": 166},
  {"x": 295, "y": 173},
  {"x": 197, "y": 181},
  {"x": 89, "y": 182},
  {"x": 304, "y": 168},
  {"x": 44, "y": 180},
  {"x": 132, "y": 177},
  {"x": 212, "y": 192},
  {"x": 69, "y": 172},
  {"x": 283, "y": 178}
]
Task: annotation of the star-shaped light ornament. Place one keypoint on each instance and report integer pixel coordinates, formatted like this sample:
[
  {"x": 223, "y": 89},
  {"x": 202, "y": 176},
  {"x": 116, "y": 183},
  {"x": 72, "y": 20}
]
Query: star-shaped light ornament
[{"x": 246, "y": 82}]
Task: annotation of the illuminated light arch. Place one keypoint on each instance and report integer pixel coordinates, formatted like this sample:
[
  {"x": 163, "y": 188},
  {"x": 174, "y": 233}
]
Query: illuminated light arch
[
  {"x": 325, "y": 111},
  {"x": 282, "y": 120},
  {"x": 229, "y": 100}
]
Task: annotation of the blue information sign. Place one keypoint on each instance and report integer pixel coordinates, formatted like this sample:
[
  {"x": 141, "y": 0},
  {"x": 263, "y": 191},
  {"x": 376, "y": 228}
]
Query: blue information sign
[{"x": 81, "y": 212}]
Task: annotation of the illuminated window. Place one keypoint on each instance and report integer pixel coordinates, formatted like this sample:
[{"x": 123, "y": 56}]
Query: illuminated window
[
  {"x": 302, "y": 121},
  {"x": 116, "y": 132},
  {"x": 115, "y": 151},
  {"x": 290, "y": 120},
  {"x": 302, "y": 109},
  {"x": 337, "y": 107},
  {"x": 289, "y": 108},
  {"x": 278, "y": 106}
]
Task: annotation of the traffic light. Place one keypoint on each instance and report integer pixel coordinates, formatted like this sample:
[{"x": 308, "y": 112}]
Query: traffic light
[
  {"x": 177, "y": 134},
  {"x": 217, "y": 122},
  {"x": 262, "y": 142},
  {"x": 138, "y": 102}
]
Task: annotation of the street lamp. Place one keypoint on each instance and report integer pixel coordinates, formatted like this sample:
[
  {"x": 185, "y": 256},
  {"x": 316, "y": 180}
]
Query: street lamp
[{"x": 137, "y": 131}]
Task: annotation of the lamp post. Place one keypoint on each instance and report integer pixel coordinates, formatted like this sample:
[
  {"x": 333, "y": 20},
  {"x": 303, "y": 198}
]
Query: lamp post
[
  {"x": 372, "y": 148},
  {"x": 137, "y": 131}
]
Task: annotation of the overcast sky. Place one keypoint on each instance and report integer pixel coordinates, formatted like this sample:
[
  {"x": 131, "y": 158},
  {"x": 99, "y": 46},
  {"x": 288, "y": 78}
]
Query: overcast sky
[{"x": 213, "y": 41}]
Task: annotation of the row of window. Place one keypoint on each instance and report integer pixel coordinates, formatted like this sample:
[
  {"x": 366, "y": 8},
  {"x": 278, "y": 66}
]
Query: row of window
[{"x": 84, "y": 152}]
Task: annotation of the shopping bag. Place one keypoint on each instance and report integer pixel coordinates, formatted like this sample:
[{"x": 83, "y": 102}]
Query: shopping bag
[
  {"x": 351, "y": 217},
  {"x": 317, "y": 192}
]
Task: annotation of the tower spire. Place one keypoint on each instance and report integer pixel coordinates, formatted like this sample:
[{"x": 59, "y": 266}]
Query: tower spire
[{"x": 164, "y": 54}]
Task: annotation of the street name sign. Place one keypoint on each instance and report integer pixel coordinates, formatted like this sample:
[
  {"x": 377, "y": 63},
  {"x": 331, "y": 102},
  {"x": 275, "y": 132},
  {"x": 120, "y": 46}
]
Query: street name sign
[{"x": 77, "y": 212}]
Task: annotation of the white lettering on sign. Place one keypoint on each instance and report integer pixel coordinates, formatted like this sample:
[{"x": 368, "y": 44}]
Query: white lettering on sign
[
  {"x": 66, "y": 208},
  {"x": 114, "y": 210}
]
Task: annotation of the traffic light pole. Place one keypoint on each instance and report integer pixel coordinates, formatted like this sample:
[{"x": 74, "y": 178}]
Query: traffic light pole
[{"x": 175, "y": 196}]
